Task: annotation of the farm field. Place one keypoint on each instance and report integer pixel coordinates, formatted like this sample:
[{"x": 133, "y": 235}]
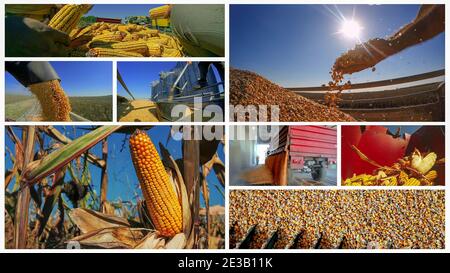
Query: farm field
[{"x": 97, "y": 108}]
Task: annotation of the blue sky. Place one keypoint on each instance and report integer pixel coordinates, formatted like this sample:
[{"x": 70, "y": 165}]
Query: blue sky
[
  {"x": 296, "y": 45},
  {"x": 139, "y": 75},
  {"x": 123, "y": 183},
  {"x": 77, "y": 79},
  {"x": 404, "y": 129},
  {"x": 120, "y": 11}
]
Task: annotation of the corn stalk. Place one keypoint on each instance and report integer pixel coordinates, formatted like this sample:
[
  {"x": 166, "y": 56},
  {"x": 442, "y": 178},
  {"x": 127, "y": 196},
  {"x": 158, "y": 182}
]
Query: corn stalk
[
  {"x": 191, "y": 163},
  {"x": 23, "y": 199},
  {"x": 104, "y": 175}
]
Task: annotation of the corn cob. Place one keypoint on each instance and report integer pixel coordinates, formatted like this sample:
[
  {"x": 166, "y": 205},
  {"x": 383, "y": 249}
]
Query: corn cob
[
  {"x": 135, "y": 46},
  {"x": 123, "y": 28},
  {"x": 412, "y": 182},
  {"x": 392, "y": 181},
  {"x": 154, "y": 50},
  {"x": 160, "y": 196},
  {"x": 171, "y": 52},
  {"x": 54, "y": 102},
  {"x": 431, "y": 175},
  {"x": 110, "y": 37},
  {"x": 159, "y": 12},
  {"x": 110, "y": 52},
  {"x": 158, "y": 40},
  {"x": 149, "y": 31},
  {"x": 67, "y": 17}
]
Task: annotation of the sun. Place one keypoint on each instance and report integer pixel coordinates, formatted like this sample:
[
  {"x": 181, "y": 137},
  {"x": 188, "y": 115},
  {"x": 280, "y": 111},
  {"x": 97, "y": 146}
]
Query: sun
[{"x": 351, "y": 29}]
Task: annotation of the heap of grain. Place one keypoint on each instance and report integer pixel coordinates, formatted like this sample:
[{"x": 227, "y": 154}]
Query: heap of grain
[
  {"x": 385, "y": 218},
  {"x": 250, "y": 89}
]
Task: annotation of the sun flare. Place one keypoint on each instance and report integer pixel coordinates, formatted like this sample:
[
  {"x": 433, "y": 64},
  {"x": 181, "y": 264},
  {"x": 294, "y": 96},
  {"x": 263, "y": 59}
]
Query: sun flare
[{"x": 351, "y": 29}]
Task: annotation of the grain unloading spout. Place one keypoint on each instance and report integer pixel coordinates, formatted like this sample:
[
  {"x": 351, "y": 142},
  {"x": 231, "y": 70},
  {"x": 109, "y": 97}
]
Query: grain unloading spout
[
  {"x": 174, "y": 85},
  {"x": 119, "y": 78}
]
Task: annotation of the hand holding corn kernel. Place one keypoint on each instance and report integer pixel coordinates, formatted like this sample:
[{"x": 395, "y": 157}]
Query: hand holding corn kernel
[
  {"x": 429, "y": 22},
  {"x": 36, "y": 39}
]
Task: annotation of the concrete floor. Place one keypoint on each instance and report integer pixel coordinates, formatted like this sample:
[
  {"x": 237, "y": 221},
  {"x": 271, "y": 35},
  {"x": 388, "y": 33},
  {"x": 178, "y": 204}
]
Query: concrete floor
[{"x": 297, "y": 179}]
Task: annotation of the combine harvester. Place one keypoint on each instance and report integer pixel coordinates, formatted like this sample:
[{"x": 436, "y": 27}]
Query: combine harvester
[
  {"x": 409, "y": 101},
  {"x": 166, "y": 105},
  {"x": 160, "y": 105}
]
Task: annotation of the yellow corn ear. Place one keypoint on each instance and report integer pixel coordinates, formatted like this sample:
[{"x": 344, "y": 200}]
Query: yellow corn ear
[
  {"x": 431, "y": 175},
  {"x": 67, "y": 17},
  {"x": 111, "y": 52},
  {"x": 158, "y": 40},
  {"x": 154, "y": 50},
  {"x": 412, "y": 182},
  {"x": 160, "y": 196},
  {"x": 171, "y": 52},
  {"x": 159, "y": 12},
  {"x": 392, "y": 181},
  {"x": 109, "y": 37},
  {"x": 134, "y": 46}
]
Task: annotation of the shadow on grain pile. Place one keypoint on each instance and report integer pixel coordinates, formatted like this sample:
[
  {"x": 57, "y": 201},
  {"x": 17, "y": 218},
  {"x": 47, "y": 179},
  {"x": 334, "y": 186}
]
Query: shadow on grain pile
[{"x": 248, "y": 88}]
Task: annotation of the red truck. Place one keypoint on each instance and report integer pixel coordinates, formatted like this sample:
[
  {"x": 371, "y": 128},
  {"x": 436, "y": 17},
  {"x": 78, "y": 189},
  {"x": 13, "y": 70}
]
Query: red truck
[{"x": 304, "y": 148}]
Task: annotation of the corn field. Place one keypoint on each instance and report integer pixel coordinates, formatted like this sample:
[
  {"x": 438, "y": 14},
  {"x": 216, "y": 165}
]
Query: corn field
[{"x": 57, "y": 180}]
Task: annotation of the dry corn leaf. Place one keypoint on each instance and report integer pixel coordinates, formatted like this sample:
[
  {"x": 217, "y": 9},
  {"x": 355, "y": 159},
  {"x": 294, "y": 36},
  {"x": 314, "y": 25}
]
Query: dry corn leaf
[
  {"x": 115, "y": 237},
  {"x": 89, "y": 220}
]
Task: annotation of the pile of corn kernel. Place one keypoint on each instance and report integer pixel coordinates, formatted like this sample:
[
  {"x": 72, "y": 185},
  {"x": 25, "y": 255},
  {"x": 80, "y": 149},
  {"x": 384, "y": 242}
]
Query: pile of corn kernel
[{"x": 386, "y": 219}]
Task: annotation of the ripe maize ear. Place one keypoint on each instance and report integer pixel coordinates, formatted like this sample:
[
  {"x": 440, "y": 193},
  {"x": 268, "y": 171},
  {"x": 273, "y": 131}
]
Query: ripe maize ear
[
  {"x": 134, "y": 46},
  {"x": 111, "y": 52},
  {"x": 67, "y": 17},
  {"x": 431, "y": 175},
  {"x": 392, "y": 181},
  {"x": 159, "y": 12},
  {"x": 412, "y": 182},
  {"x": 171, "y": 52},
  {"x": 160, "y": 196},
  {"x": 154, "y": 50},
  {"x": 403, "y": 178},
  {"x": 158, "y": 40},
  {"x": 54, "y": 102},
  {"x": 109, "y": 37}
]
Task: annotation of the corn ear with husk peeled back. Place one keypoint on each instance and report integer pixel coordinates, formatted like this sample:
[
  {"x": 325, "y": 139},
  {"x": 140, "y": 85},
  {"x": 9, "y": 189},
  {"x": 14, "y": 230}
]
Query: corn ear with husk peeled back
[
  {"x": 54, "y": 102},
  {"x": 111, "y": 52},
  {"x": 67, "y": 18},
  {"x": 134, "y": 46},
  {"x": 160, "y": 195}
]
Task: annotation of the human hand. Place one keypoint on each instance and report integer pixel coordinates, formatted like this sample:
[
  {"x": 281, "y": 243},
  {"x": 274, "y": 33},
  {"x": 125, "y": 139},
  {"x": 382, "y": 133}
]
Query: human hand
[
  {"x": 26, "y": 37},
  {"x": 364, "y": 56}
]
